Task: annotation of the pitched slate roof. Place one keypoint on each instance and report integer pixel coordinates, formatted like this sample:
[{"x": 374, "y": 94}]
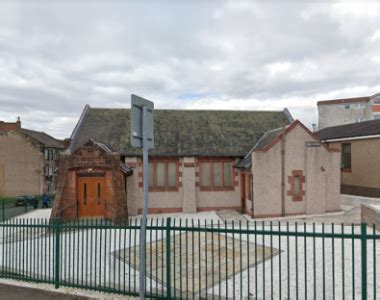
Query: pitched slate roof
[
  {"x": 181, "y": 132},
  {"x": 366, "y": 128},
  {"x": 43, "y": 138},
  {"x": 270, "y": 138},
  {"x": 267, "y": 138}
]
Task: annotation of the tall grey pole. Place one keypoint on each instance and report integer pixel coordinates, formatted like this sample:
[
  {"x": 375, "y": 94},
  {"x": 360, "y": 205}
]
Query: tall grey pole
[{"x": 145, "y": 207}]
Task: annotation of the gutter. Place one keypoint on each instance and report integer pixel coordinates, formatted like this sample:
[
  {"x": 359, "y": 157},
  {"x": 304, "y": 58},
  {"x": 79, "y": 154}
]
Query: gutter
[{"x": 364, "y": 137}]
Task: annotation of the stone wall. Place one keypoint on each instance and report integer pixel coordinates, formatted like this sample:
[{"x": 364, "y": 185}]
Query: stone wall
[{"x": 87, "y": 160}]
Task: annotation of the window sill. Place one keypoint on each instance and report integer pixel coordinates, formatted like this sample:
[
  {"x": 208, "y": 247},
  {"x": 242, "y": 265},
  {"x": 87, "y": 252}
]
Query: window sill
[
  {"x": 204, "y": 189},
  {"x": 346, "y": 170},
  {"x": 163, "y": 190}
]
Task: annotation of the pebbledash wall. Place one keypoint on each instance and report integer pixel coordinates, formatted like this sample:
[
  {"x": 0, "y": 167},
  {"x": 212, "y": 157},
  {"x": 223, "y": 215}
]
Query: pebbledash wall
[
  {"x": 188, "y": 199},
  {"x": 304, "y": 156},
  {"x": 90, "y": 159}
]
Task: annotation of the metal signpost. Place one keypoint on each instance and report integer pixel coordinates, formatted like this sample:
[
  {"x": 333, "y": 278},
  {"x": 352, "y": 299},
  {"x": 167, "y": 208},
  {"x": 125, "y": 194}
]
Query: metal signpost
[{"x": 142, "y": 137}]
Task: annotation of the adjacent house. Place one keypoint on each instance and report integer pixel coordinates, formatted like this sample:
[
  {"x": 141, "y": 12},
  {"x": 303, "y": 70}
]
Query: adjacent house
[
  {"x": 350, "y": 110},
  {"x": 28, "y": 161},
  {"x": 198, "y": 164},
  {"x": 360, "y": 160}
]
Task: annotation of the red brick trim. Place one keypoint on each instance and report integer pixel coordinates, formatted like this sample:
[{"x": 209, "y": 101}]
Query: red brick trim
[
  {"x": 161, "y": 210},
  {"x": 197, "y": 174},
  {"x": 165, "y": 188},
  {"x": 189, "y": 165},
  {"x": 140, "y": 174},
  {"x": 216, "y": 208},
  {"x": 291, "y": 181}
]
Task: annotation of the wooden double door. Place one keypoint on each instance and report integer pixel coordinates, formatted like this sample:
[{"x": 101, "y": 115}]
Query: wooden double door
[{"x": 91, "y": 196}]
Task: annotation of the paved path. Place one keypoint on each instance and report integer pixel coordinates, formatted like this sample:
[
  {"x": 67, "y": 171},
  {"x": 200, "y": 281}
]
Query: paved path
[
  {"x": 231, "y": 215},
  {"x": 16, "y": 292},
  {"x": 351, "y": 212}
]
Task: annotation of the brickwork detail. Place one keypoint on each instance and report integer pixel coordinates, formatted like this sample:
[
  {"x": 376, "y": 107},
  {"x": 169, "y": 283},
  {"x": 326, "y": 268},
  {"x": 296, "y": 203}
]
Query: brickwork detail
[
  {"x": 293, "y": 189},
  {"x": 88, "y": 160}
]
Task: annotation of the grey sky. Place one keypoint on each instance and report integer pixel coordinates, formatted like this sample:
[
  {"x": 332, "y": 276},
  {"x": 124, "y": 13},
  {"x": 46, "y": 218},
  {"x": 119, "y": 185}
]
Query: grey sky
[{"x": 56, "y": 56}]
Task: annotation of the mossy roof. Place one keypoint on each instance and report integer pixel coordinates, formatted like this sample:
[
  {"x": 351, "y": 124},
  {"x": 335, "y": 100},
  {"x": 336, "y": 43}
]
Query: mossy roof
[
  {"x": 43, "y": 138},
  {"x": 181, "y": 132}
]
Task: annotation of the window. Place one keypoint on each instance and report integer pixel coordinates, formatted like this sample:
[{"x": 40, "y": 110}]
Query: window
[
  {"x": 99, "y": 193},
  {"x": 359, "y": 106},
  {"x": 296, "y": 181},
  {"x": 163, "y": 175},
  {"x": 346, "y": 157},
  {"x": 216, "y": 175},
  {"x": 347, "y": 106},
  {"x": 85, "y": 194},
  {"x": 296, "y": 185}
]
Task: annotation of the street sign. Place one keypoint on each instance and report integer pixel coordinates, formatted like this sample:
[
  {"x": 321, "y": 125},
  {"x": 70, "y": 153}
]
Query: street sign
[
  {"x": 142, "y": 137},
  {"x": 137, "y": 104}
]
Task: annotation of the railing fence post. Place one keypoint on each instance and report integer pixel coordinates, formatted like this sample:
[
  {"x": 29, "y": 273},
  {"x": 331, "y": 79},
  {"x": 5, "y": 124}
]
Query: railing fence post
[
  {"x": 57, "y": 227},
  {"x": 363, "y": 239},
  {"x": 3, "y": 206},
  {"x": 168, "y": 266}
]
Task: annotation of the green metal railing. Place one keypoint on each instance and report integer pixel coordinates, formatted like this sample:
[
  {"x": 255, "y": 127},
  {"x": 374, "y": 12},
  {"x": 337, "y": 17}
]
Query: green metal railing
[
  {"x": 196, "y": 259},
  {"x": 10, "y": 207}
]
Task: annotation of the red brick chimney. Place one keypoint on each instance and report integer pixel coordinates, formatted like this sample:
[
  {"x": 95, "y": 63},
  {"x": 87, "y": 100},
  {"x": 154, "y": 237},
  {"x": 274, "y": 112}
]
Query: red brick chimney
[{"x": 10, "y": 126}]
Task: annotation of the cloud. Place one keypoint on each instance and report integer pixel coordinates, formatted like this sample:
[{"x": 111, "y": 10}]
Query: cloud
[{"x": 57, "y": 56}]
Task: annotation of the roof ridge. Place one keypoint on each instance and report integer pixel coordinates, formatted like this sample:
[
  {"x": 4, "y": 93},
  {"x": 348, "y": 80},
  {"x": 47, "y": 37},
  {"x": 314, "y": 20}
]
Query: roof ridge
[{"x": 178, "y": 109}]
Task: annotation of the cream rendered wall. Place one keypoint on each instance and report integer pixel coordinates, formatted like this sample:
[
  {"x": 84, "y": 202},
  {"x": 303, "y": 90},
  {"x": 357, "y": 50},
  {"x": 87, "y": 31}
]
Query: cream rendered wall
[
  {"x": 295, "y": 160},
  {"x": 320, "y": 168},
  {"x": 188, "y": 198},
  {"x": 23, "y": 164},
  {"x": 332, "y": 166},
  {"x": 188, "y": 183},
  {"x": 156, "y": 199},
  {"x": 220, "y": 199},
  {"x": 315, "y": 188},
  {"x": 132, "y": 187},
  {"x": 266, "y": 169}
]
